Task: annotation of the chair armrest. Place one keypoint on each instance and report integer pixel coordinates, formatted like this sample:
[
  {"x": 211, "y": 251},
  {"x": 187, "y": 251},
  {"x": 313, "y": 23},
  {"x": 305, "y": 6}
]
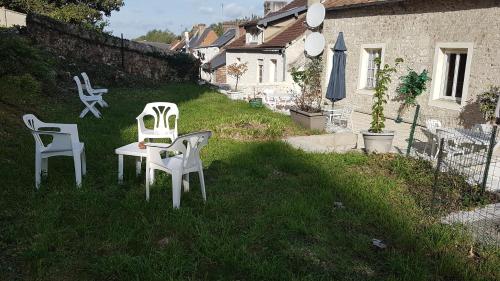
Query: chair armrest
[{"x": 100, "y": 91}]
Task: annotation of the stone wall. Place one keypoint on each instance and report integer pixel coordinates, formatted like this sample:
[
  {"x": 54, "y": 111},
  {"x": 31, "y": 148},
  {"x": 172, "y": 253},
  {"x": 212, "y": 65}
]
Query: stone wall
[
  {"x": 412, "y": 30},
  {"x": 72, "y": 41}
]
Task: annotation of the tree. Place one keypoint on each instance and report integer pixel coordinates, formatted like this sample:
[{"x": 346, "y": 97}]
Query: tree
[
  {"x": 218, "y": 28},
  {"x": 237, "y": 70},
  {"x": 156, "y": 35},
  {"x": 89, "y": 13}
]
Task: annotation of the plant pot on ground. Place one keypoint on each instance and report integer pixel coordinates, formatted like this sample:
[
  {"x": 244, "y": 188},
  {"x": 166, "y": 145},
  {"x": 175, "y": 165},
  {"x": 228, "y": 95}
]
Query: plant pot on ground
[
  {"x": 307, "y": 111},
  {"x": 376, "y": 139}
]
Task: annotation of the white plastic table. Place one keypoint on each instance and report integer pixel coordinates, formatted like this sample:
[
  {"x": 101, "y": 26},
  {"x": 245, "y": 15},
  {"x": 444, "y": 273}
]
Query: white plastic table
[{"x": 130, "y": 150}]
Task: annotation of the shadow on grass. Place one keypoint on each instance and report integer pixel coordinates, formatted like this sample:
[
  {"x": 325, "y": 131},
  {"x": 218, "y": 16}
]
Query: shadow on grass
[{"x": 270, "y": 213}]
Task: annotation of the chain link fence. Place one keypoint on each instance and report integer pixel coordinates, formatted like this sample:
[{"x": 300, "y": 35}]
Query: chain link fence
[{"x": 466, "y": 187}]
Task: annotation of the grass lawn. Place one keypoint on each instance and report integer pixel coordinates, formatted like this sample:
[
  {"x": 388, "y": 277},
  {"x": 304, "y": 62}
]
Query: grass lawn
[{"x": 270, "y": 213}]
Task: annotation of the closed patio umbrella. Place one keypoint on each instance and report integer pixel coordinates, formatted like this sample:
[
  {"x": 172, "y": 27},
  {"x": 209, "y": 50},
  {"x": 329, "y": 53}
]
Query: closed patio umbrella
[{"x": 336, "y": 86}]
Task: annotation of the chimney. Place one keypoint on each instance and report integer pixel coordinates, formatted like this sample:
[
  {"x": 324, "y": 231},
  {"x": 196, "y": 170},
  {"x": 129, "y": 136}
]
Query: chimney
[
  {"x": 273, "y": 6},
  {"x": 310, "y": 2}
]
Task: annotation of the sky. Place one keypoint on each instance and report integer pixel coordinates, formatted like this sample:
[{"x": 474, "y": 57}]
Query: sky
[{"x": 138, "y": 17}]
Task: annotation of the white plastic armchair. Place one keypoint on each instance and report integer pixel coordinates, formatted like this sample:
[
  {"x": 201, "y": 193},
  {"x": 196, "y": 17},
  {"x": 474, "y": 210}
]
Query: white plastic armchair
[
  {"x": 179, "y": 166},
  {"x": 162, "y": 113},
  {"x": 88, "y": 100},
  {"x": 94, "y": 92},
  {"x": 65, "y": 142}
]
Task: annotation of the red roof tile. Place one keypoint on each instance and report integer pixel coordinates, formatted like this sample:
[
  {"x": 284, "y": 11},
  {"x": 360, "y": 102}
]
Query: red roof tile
[
  {"x": 282, "y": 39},
  {"x": 334, "y": 4}
]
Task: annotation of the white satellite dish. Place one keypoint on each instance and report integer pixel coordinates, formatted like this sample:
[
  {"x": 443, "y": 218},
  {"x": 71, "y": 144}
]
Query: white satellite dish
[
  {"x": 315, "y": 44},
  {"x": 315, "y": 15}
]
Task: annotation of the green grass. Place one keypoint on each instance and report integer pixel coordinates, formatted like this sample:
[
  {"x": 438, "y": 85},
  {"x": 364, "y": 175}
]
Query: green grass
[{"x": 270, "y": 212}]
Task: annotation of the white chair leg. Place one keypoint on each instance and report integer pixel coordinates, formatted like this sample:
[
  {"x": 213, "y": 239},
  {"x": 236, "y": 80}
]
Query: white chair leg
[
  {"x": 78, "y": 169},
  {"x": 185, "y": 182},
  {"x": 84, "y": 163},
  {"x": 202, "y": 183},
  {"x": 94, "y": 111},
  {"x": 84, "y": 112},
  {"x": 45, "y": 166},
  {"x": 176, "y": 189},
  {"x": 38, "y": 170},
  {"x": 148, "y": 180},
  {"x": 152, "y": 176}
]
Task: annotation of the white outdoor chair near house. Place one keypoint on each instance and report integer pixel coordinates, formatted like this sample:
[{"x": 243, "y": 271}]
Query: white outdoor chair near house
[
  {"x": 269, "y": 99},
  {"x": 341, "y": 117},
  {"x": 187, "y": 160},
  {"x": 65, "y": 142},
  {"x": 94, "y": 92},
  {"x": 89, "y": 101},
  {"x": 162, "y": 113},
  {"x": 431, "y": 126}
]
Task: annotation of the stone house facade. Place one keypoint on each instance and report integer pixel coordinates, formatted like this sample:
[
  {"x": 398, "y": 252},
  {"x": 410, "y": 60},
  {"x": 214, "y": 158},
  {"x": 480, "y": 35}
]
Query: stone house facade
[
  {"x": 457, "y": 41},
  {"x": 9, "y": 18}
]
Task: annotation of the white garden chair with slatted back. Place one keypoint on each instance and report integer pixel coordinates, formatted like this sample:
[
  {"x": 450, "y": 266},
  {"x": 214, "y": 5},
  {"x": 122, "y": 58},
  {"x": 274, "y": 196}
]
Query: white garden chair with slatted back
[
  {"x": 65, "y": 142},
  {"x": 162, "y": 112},
  {"x": 187, "y": 160},
  {"x": 431, "y": 126},
  {"x": 341, "y": 117},
  {"x": 94, "y": 92},
  {"x": 88, "y": 100}
]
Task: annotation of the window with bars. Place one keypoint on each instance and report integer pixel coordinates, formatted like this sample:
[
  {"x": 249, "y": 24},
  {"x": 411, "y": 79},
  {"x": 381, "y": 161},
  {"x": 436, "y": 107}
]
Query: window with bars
[
  {"x": 454, "y": 75},
  {"x": 371, "y": 69}
]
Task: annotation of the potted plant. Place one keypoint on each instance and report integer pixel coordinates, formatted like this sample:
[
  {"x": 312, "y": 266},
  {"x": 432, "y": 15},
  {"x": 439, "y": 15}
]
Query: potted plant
[
  {"x": 412, "y": 85},
  {"x": 307, "y": 111},
  {"x": 237, "y": 70},
  {"x": 376, "y": 138},
  {"x": 255, "y": 102},
  {"x": 488, "y": 103}
]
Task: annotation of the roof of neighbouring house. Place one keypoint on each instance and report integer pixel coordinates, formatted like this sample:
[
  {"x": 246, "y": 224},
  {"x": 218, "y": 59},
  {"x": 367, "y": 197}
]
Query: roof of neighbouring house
[
  {"x": 344, "y": 4},
  {"x": 281, "y": 40},
  {"x": 158, "y": 45},
  {"x": 224, "y": 39},
  {"x": 200, "y": 39},
  {"x": 216, "y": 62}
]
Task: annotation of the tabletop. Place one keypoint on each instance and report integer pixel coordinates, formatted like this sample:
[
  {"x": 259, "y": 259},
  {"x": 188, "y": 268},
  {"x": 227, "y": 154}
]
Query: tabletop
[{"x": 131, "y": 150}]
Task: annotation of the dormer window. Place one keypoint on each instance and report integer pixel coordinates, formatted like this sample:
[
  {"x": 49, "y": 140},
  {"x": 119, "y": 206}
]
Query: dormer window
[{"x": 254, "y": 37}]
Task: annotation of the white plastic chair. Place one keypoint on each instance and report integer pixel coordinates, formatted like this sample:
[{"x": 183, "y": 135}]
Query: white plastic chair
[
  {"x": 431, "y": 126},
  {"x": 65, "y": 142},
  {"x": 179, "y": 166},
  {"x": 341, "y": 117},
  {"x": 270, "y": 100},
  {"x": 161, "y": 112},
  {"x": 88, "y": 100},
  {"x": 94, "y": 92}
]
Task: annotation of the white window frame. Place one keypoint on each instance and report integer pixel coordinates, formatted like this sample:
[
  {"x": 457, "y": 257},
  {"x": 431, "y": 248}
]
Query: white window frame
[
  {"x": 254, "y": 38},
  {"x": 260, "y": 76},
  {"x": 436, "y": 97},
  {"x": 363, "y": 65},
  {"x": 273, "y": 70}
]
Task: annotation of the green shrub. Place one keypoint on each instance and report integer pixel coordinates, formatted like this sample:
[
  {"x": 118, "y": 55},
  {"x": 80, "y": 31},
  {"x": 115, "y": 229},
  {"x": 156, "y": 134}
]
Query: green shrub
[
  {"x": 19, "y": 90},
  {"x": 18, "y": 57}
]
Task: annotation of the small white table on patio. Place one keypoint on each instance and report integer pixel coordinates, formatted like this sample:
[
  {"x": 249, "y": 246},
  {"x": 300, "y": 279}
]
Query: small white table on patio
[
  {"x": 130, "y": 150},
  {"x": 460, "y": 136}
]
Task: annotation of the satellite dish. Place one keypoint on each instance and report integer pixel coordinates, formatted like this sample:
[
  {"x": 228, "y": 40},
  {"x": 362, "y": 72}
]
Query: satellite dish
[
  {"x": 315, "y": 15},
  {"x": 315, "y": 44}
]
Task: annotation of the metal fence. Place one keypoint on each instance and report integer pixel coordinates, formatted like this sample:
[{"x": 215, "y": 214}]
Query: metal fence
[{"x": 466, "y": 183}]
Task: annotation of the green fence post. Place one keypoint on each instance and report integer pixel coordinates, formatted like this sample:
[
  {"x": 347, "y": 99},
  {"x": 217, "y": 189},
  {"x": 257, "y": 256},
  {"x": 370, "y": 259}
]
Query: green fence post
[
  {"x": 412, "y": 131},
  {"x": 436, "y": 174},
  {"x": 488, "y": 158}
]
